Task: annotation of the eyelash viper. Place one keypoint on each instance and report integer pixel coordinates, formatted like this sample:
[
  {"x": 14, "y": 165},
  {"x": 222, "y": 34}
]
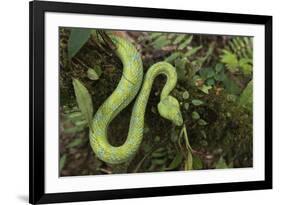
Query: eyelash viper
[{"x": 130, "y": 86}]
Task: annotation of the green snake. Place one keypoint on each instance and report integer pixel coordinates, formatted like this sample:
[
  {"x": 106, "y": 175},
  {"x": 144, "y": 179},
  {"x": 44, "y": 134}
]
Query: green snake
[{"x": 128, "y": 87}]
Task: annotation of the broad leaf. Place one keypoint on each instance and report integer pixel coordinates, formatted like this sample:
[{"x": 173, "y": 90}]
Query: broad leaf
[
  {"x": 84, "y": 100},
  {"x": 202, "y": 122},
  {"x": 206, "y": 73},
  {"x": 220, "y": 76},
  {"x": 94, "y": 73},
  {"x": 195, "y": 115},
  {"x": 231, "y": 86},
  {"x": 75, "y": 142},
  {"x": 176, "y": 161},
  {"x": 78, "y": 37},
  {"x": 219, "y": 67},
  {"x": 210, "y": 82},
  {"x": 246, "y": 98},
  {"x": 197, "y": 102},
  {"x": 205, "y": 88}
]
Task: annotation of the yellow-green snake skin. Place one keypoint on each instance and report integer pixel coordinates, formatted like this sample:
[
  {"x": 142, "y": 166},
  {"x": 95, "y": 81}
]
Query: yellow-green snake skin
[{"x": 125, "y": 92}]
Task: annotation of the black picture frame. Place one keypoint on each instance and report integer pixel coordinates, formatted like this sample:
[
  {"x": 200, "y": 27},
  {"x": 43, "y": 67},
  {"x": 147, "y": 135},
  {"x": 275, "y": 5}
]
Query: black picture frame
[{"x": 37, "y": 194}]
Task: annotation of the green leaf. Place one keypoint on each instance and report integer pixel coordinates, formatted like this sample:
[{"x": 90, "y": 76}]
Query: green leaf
[
  {"x": 180, "y": 64},
  {"x": 161, "y": 42},
  {"x": 195, "y": 115},
  {"x": 192, "y": 51},
  {"x": 186, "y": 106},
  {"x": 159, "y": 161},
  {"x": 159, "y": 153},
  {"x": 210, "y": 82},
  {"x": 246, "y": 97},
  {"x": 94, "y": 74},
  {"x": 81, "y": 123},
  {"x": 185, "y": 95},
  {"x": 202, "y": 122},
  {"x": 197, "y": 102},
  {"x": 196, "y": 77},
  {"x": 205, "y": 88},
  {"x": 210, "y": 73},
  {"x": 62, "y": 161},
  {"x": 176, "y": 162},
  {"x": 185, "y": 43},
  {"x": 188, "y": 161},
  {"x": 230, "y": 60},
  {"x": 75, "y": 116},
  {"x": 173, "y": 57},
  {"x": 231, "y": 87},
  {"x": 221, "y": 164},
  {"x": 206, "y": 73},
  {"x": 84, "y": 100},
  {"x": 179, "y": 38},
  {"x": 78, "y": 37},
  {"x": 197, "y": 163},
  {"x": 220, "y": 76},
  {"x": 75, "y": 142},
  {"x": 219, "y": 67},
  {"x": 246, "y": 66},
  {"x": 75, "y": 129},
  {"x": 183, "y": 133},
  {"x": 155, "y": 35}
]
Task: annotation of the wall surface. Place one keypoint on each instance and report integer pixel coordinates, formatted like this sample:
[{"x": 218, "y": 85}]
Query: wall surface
[{"x": 14, "y": 100}]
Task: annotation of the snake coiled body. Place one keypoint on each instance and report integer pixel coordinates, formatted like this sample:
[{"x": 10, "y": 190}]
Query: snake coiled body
[{"x": 130, "y": 85}]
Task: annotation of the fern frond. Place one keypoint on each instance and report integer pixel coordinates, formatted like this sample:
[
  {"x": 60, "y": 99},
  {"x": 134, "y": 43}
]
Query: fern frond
[
  {"x": 241, "y": 46},
  {"x": 238, "y": 55}
]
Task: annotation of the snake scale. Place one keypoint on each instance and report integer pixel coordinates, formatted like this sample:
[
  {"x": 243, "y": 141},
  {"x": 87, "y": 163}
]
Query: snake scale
[{"x": 129, "y": 86}]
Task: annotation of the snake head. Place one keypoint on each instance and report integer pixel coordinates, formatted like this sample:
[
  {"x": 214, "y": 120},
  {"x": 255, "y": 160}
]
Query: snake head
[{"x": 169, "y": 109}]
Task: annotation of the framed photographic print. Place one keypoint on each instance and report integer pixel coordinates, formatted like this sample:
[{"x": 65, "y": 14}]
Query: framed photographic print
[{"x": 140, "y": 102}]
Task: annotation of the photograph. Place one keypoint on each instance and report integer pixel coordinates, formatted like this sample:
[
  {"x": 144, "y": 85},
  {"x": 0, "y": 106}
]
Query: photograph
[
  {"x": 151, "y": 101},
  {"x": 130, "y": 102}
]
